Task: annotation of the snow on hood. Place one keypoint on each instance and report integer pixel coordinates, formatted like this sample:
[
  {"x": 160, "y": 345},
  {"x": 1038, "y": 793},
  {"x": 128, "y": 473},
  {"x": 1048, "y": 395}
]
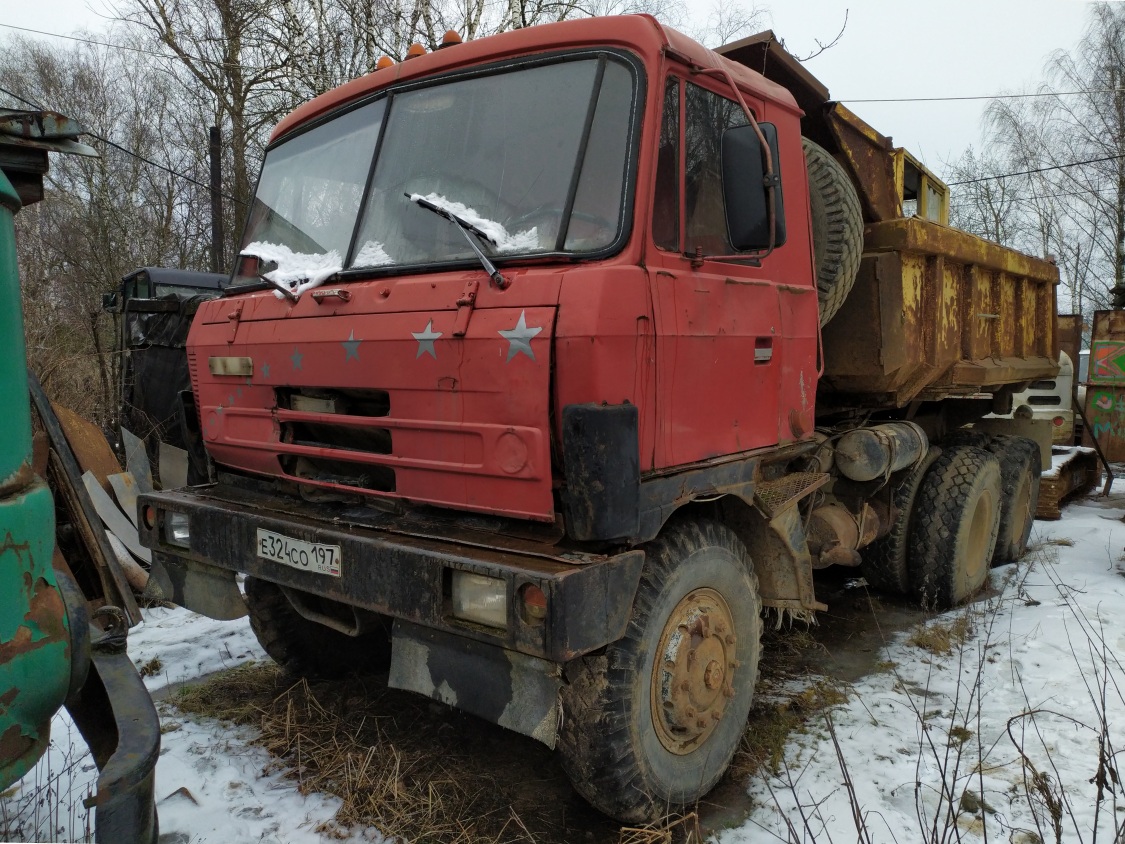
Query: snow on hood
[
  {"x": 299, "y": 271},
  {"x": 505, "y": 242}
]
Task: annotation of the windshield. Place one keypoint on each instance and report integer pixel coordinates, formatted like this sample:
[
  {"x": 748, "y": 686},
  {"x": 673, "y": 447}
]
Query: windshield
[{"x": 535, "y": 157}]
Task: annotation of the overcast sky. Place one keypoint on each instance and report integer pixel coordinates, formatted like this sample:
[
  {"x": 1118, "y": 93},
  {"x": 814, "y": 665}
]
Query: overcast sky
[{"x": 890, "y": 49}]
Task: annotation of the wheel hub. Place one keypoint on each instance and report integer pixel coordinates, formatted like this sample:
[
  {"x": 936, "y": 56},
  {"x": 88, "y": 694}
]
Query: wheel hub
[{"x": 693, "y": 672}]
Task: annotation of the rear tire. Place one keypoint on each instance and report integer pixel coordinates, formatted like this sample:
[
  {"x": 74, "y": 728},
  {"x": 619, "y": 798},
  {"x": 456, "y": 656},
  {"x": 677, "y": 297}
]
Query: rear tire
[
  {"x": 885, "y": 560},
  {"x": 956, "y": 519},
  {"x": 837, "y": 228},
  {"x": 1020, "y": 469},
  {"x": 651, "y": 724},
  {"x": 307, "y": 649}
]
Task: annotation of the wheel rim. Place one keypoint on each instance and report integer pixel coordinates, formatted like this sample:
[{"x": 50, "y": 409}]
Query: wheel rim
[
  {"x": 693, "y": 671},
  {"x": 978, "y": 552}
]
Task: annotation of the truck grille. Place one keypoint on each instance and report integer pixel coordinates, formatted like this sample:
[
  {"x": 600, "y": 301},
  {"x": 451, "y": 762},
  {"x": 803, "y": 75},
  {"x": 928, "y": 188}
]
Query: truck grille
[{"x": 337, "y": 440}]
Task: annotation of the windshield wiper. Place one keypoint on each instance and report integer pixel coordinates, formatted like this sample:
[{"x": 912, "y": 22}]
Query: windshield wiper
[
  {"x": 269, "y": 267},
  {"x": 468, "y": 229}
]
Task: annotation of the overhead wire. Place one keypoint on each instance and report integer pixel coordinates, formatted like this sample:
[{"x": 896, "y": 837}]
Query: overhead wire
[
  {"x": 130, "y": 152},
  {"x": 1036, "y": 170},
  {"x": 203, "y": 60},
  {"x": 984, "y": 96},
  {"x": 143, "y": 52}
]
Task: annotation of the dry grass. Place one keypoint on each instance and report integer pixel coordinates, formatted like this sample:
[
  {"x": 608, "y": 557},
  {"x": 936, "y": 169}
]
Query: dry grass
[
  {"x": 412, "y": 768},
  {"x": 941, "y": 637},
  {"x": 682, "y": 830},
  {"x": 152, "y": 667}
]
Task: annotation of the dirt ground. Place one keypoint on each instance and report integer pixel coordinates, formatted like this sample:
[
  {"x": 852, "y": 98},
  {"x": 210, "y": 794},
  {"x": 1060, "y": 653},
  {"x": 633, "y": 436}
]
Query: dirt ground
[{"x": 445, "y": 776}]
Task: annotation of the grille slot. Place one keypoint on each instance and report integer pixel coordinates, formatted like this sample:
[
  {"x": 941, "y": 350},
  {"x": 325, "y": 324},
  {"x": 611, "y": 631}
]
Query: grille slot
[
  {"x": 370, "y": 403},
  {"x": 339, "y": 471},
  {"x": 338, "y": 437}
]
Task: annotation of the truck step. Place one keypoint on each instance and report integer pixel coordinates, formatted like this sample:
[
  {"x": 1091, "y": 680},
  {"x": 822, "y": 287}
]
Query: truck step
[{"x": 775, "y": 497}]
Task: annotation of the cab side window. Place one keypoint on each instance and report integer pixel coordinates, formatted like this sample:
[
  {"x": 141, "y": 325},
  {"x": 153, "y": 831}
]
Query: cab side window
[
  {"x": 707, "y": 116},
  {"x": 666, "y": 202}
]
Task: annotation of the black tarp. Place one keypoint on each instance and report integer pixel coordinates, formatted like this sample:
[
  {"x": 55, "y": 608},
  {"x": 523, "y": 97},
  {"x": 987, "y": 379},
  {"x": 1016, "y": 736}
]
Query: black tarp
[{"x": 155, "y": 371}]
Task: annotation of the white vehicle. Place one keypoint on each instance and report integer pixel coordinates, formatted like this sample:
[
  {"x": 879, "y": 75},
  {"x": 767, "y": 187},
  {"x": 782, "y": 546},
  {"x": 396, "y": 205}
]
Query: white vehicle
[{"x": 1051, "y": 399}]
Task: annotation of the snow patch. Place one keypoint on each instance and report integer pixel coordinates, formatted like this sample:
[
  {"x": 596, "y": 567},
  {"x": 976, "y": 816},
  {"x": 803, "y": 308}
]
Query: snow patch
[
  {"x": 506, "y": 242},
  {"x": 299, "y": 271},
  {"x": 1061, "y": 455},
  {"x": 372, "y": 254}
]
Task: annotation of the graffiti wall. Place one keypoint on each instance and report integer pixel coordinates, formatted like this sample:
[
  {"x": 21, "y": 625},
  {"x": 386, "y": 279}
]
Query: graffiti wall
[{"x": 1105, "y": 391}]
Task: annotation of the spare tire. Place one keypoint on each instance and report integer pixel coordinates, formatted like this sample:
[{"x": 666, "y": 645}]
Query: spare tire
[{"x": 837, "y": 228}]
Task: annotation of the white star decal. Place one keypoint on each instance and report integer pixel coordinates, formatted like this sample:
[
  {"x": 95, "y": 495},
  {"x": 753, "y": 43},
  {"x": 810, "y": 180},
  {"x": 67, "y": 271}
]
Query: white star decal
[
  {"x": 425, "y": 339},
  {"x": 519, "y": 338}
]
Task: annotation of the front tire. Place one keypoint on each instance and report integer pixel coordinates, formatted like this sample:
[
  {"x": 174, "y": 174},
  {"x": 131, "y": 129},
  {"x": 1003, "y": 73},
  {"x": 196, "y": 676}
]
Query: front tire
[
  {"x": 651, "y": 724},
  {"x": 956, "y": 519}
]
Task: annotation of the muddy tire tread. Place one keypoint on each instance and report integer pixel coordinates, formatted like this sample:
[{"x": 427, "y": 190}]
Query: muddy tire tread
[
  {"x": 939, "y": 511},
  {"x": 885, "y": 561},
  {"x": 1019, "y": 459},
  {"x": 596, "y": 742}
]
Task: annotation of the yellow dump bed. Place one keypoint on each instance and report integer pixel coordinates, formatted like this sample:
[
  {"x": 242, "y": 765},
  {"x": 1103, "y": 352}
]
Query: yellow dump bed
[
  {"x": 935, "y": 312},
  {"x": 938, "y": 312}
]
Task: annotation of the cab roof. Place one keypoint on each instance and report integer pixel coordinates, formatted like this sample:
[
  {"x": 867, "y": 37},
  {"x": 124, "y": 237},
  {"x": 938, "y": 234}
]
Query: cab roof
[{"x": 641, "y": 34}]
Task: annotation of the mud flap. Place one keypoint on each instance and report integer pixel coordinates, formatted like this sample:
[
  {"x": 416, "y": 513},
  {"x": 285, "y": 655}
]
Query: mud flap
[
  {"x": 514, "y": 690},
  {"x": 205, "y": 589}
]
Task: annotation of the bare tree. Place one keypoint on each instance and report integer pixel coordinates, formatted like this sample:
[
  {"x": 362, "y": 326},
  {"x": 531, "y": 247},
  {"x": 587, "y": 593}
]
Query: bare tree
[
  {"x": 1059, "y": 174},
  {"x": 103, "y": 216}
]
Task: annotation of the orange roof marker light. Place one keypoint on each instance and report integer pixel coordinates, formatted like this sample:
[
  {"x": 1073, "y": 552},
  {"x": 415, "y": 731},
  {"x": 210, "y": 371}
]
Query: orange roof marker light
[
  {"x": 415, "y": 51},
  {"x": 451, "y": 37},
  {"x": 384, "y": 61}
]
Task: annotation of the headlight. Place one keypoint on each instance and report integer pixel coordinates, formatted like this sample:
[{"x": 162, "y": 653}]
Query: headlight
[
  {"x": 480, "y": 599},
  {"x": 176, "y": 530}
]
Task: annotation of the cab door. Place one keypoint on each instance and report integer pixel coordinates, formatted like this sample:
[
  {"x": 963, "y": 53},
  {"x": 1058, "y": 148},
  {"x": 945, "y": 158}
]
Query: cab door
[{"x": 720, "y": 348}]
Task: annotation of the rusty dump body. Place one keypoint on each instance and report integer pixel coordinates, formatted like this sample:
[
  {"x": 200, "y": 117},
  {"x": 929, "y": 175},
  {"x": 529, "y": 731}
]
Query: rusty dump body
[
  {"x": 945, "y": 313},
  {"x": 955, "y": 315}
]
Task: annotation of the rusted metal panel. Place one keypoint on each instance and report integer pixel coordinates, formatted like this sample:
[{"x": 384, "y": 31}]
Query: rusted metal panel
[
  {"x": 68, "y": 484},
  {"x": 1105, "y": 393},
  {"x": 956, "y": 315},
  {"x": 88, "y": 444},
  {"x": 35, "y": 644},
  {"x": 869, "y": 158},
  {"x": 1071, "y": 327},
  {"x": 922, "y": 236}
]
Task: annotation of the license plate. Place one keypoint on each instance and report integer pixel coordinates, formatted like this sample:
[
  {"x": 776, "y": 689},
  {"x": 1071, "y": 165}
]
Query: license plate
[{"x": 307, "y": 556}]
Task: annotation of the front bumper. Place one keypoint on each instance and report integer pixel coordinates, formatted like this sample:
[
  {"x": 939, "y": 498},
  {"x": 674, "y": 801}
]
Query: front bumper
[{"x": 402, "y": 575}]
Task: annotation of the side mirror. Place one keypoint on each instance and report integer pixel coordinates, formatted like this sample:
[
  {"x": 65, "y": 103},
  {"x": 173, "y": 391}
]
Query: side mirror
[
  {"x": 111, "y": 302},
  {"x": 744, "y": 188}
]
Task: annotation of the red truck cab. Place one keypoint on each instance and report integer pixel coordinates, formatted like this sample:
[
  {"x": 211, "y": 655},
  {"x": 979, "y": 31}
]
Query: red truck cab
[{"x": 421, "y": 378}]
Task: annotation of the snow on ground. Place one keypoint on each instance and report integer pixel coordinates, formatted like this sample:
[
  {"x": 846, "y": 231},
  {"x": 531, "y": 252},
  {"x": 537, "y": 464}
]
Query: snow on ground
[
  {"x": 1048, "y": 641},
  {"x": 211, "y": 782},
  {"x": 1051, "y": 643}
]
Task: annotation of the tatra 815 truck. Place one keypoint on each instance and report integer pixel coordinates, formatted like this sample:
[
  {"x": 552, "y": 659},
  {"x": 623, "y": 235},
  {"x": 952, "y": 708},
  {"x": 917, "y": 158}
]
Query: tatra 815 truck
[{"x": 553, "y": 360}]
